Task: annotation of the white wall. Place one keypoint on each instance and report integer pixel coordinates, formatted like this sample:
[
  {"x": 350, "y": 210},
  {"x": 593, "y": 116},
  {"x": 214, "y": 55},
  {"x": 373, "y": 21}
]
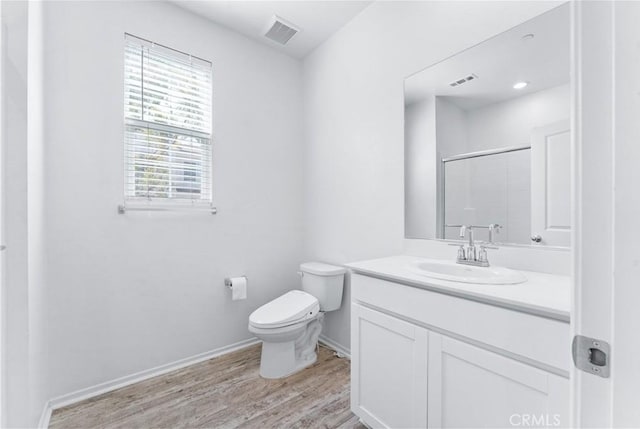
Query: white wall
[
  {"x": 510, "y": 123},
  {"x": 451, "y": 128},
  {"x": 353, "y": 87},
  {"x": 129, "y": 292}
]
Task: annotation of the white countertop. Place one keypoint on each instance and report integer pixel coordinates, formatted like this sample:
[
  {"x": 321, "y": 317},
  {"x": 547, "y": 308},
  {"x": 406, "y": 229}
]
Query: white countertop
[{"x": 542, "y": 294}]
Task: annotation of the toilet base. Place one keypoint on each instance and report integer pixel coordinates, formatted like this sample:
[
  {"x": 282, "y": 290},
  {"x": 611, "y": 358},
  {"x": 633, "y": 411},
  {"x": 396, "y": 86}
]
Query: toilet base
[
  {"x": 281, "y": 359},
  {"x": 278, "y": 360}
]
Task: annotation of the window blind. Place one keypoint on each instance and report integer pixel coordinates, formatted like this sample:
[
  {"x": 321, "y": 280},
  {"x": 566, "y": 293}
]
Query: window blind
[{"x": 167, "y": 113}]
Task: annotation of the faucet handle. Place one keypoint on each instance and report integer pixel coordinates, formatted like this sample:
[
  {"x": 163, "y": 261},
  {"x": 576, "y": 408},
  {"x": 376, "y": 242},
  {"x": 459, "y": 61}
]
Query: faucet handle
[
  {"x": 462, "y": 255},
  {"x": 482, "y": 254}
]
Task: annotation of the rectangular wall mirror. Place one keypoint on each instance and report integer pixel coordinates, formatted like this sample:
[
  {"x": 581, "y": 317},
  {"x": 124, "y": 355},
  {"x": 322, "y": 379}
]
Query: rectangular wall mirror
[{"x": 488, "y": 139}]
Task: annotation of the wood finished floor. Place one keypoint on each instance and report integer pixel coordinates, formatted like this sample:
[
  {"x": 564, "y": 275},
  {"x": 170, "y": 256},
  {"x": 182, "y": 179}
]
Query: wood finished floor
[{"x": 224, "y": 392}]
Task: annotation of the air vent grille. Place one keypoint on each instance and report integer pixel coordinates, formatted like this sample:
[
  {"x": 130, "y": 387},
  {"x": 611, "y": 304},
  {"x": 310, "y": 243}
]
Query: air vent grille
[
  {"x": 463, "y": 80},
  {"x": 281, "y": 31}
]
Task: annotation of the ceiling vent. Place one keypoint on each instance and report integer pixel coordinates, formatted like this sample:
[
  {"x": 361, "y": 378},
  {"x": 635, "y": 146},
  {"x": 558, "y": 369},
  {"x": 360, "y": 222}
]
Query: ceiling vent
[
  {"x": 463, "y": 80},
  {"x": 281, "y": 31}
]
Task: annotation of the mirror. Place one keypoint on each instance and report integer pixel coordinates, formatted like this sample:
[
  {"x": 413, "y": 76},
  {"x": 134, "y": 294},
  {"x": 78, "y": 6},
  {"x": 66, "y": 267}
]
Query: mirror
[{"x": 488, "y": 139}]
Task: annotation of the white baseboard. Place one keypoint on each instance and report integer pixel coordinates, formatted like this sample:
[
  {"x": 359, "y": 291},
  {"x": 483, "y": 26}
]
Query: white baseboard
[
  {"x": 45, "y": 416},
  {"x": 335, "y": 346},
  {"x": 108, "y": 386}
]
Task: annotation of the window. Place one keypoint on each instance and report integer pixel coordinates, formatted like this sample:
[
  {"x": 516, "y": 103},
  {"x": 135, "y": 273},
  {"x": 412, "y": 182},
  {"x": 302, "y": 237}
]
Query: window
[{"x": 167, "y": 115}]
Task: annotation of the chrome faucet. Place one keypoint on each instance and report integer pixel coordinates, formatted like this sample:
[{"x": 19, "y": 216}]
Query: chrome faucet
[
  {"x": 470, "y": 253},
  {"x": 469, "y": 256}
]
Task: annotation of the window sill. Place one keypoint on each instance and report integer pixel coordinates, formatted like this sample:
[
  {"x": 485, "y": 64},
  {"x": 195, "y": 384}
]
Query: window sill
[{"x": 164, "y": 207}]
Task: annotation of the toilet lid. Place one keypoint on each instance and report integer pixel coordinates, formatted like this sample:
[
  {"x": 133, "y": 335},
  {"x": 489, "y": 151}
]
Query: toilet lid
[{"x": 292, "y": 307}]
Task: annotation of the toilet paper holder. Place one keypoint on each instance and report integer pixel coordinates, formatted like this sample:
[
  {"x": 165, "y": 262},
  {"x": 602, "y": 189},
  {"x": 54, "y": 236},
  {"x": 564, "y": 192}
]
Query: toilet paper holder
[{"x": 228, "y": 283}]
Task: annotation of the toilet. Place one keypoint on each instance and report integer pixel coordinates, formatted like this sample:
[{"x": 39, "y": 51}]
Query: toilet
[{"x": 289, "y": 326}]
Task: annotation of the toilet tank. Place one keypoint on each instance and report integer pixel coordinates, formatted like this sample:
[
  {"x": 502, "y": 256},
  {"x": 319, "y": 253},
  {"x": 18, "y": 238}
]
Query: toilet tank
[{"x": 325, "y": 282}]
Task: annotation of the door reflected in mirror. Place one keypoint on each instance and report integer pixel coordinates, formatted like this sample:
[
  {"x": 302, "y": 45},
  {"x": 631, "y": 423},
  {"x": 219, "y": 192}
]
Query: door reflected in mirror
[{"x": 488, "y": 140}]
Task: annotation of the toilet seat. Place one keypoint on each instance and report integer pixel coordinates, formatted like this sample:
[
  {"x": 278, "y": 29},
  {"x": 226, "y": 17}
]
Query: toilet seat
[{"x": 293, "y": 307}]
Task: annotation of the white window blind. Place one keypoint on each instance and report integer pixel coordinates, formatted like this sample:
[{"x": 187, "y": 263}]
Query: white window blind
[{"x": 167, "y": 113}]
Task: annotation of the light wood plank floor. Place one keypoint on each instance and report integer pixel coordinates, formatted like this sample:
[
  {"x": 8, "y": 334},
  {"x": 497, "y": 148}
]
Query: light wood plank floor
[{"x": 224, "y": 392}]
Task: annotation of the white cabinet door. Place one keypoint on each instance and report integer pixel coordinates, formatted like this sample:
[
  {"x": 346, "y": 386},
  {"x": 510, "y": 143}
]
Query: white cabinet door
[
  {"x": 472, "y": 387},
  {"x": 551, "y": 183},
  {"x": 388, "y": 370}
]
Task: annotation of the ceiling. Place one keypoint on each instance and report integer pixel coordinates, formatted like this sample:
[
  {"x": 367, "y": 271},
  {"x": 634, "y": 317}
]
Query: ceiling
[
  {"x": 500, "y": 62},
  {"x": 317, "y": 20}
]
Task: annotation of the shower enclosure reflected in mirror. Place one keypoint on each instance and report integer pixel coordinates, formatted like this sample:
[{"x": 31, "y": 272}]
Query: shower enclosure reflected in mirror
[
  {"x": 487, "y": 139},
  {"x": 504, "y": 173}
]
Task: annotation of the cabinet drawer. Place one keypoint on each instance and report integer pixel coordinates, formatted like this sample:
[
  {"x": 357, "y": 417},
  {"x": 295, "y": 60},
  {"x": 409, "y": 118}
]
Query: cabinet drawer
[{"x": 533, "y": 339}]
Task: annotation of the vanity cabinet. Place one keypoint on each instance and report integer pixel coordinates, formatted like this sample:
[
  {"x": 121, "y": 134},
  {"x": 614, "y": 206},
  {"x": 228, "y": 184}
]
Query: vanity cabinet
[
  {"x": 389, "y": 370},
  {"x": 470, "y": 387},
  {"x": 419, "y": 362}
]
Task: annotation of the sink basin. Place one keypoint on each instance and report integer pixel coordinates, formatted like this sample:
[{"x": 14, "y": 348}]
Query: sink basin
[{"x": 444, "y": 270}]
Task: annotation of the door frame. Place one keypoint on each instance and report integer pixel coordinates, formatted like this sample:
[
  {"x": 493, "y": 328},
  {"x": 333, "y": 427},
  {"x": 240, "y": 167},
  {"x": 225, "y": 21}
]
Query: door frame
[
  {"x": 2, "y": 205},
  {"x": 606, "y": 238},
  {"x": 592, "y": 158}
]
